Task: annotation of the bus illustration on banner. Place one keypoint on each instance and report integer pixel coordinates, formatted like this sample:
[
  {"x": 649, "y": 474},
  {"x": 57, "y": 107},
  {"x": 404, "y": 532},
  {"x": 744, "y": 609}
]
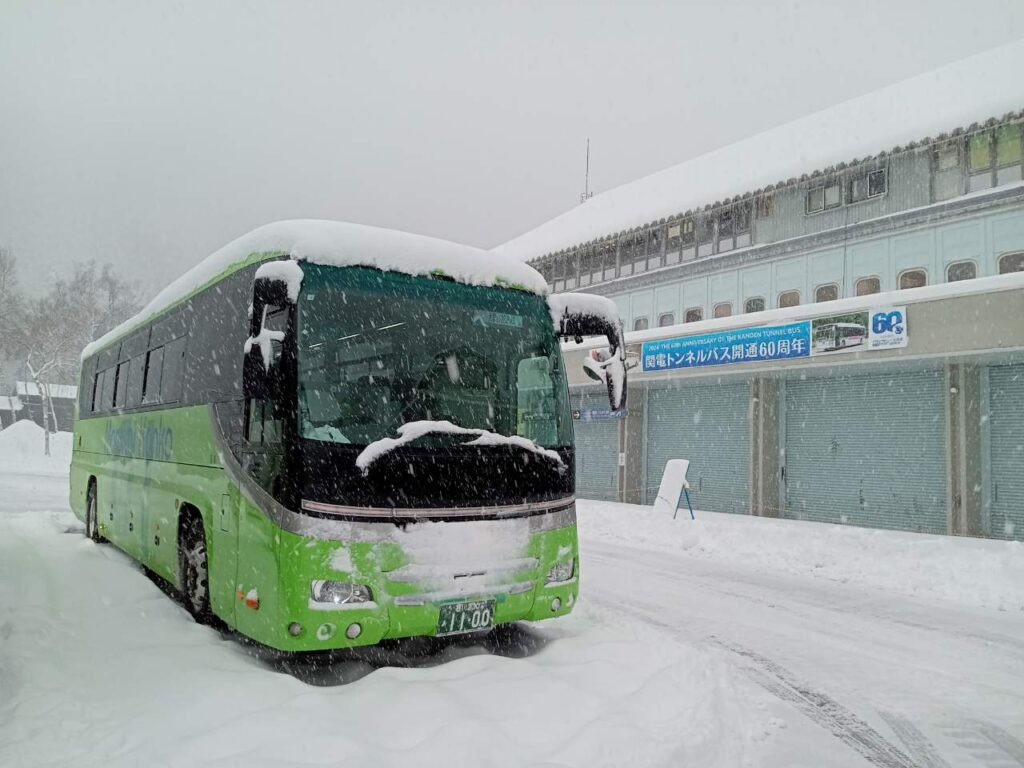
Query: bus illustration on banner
[{"x": 832, "y": 337}]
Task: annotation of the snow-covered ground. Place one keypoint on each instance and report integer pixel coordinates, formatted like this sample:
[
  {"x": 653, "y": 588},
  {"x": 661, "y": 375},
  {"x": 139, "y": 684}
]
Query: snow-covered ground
[{"x": 722, "y": 642}]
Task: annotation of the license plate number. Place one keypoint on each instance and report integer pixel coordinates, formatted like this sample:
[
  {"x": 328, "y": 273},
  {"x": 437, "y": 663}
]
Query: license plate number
[{"x": 460, "y": 618}]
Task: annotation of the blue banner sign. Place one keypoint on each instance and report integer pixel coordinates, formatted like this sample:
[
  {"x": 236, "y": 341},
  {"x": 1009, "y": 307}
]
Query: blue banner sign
[{"x": 744, "y": 345}]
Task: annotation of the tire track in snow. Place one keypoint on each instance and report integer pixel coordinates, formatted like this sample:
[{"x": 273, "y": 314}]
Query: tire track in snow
[
  {"x": 816, "y": 706},
  {"x": 1007, "y": 742},
  {"x": 991, "y": 745},
  {"x": 921, "y": 750},
  {"x": 821, "y": 709}
]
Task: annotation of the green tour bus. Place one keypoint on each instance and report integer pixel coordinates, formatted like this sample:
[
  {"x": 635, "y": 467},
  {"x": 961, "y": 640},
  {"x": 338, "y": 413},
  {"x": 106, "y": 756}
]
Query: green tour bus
[{"x": 326, "y": 435}]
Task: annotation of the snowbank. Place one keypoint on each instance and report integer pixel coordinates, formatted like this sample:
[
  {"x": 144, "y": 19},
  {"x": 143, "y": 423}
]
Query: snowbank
[
  {"x": 961, "y": 93},
  {"x": 21, "y": 450},
  {"x": 338, "y": 243},
  {"x": 977, "y": 572}
]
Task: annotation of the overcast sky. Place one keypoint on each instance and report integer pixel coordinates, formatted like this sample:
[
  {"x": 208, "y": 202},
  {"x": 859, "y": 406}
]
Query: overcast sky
[{"x": 148, "y": 134}]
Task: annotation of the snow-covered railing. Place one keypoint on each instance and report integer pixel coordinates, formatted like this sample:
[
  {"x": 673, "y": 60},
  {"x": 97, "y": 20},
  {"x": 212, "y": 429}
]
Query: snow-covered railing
[{"x": 577, "y": 315}]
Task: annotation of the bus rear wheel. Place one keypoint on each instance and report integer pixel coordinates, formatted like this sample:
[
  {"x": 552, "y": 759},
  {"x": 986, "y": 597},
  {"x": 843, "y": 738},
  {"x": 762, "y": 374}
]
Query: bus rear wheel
[
  {"x": 92, "y": 518},
  {"x": 194, "y": 570}
]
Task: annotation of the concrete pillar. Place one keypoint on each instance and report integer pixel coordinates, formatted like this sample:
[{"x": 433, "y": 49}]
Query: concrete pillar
[
  {"x": 632, "y": 431},
  {"x": 964, "y": 499},
  {"x": 765, "y": 457}
]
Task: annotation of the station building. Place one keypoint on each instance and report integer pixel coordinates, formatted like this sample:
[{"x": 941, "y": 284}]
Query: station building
[{"x": 883, "y": 241}]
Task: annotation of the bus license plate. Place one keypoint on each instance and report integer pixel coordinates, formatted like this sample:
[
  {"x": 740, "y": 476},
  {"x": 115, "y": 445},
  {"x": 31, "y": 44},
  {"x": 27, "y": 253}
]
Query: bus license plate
[{"x": 460, "y": 618}]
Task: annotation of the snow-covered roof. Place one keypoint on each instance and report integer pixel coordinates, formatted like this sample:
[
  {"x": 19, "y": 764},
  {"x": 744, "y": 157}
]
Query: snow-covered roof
[
  {"x": 62, "y": 391},
  {"x": 342, "y": 244},
  {"x": 8, "y": 403},
  {"x": 946, "y": 99}
]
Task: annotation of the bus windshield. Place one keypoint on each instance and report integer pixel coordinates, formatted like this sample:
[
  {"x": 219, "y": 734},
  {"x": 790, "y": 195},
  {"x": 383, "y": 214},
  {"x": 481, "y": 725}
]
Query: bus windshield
[{"x": 380, "y": 349}]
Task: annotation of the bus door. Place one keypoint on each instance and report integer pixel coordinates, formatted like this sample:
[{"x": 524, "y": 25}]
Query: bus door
[{"x": 223, "y": 585}]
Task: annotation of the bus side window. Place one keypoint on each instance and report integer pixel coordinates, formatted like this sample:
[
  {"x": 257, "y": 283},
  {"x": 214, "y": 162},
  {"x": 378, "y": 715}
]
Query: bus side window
[
  {"x": 263, "y": 427},
  {"x": 275, "y": 319},
  {"x": 151, "y": 381},
  {"x": 254, "y": 426},
  {"x": 173, "y": 371}
]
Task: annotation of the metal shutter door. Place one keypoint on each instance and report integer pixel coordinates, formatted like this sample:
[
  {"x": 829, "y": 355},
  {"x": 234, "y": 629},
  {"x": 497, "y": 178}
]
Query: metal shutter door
[
  {"x": 597, "y": 451},
  {"x": 1006, "y": 406},
  {"x": 867, "y": 450},
  {"x": 710, "y": 426}
]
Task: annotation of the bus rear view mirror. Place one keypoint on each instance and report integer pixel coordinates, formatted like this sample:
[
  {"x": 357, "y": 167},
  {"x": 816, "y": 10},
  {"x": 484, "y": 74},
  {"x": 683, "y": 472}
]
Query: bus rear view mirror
[
  {"x": 577, "y": 315},
  {"x": 257, "y": 371}
]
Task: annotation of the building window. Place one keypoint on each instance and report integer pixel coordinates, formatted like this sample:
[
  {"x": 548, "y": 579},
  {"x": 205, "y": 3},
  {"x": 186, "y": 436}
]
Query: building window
[
  {"x": 1011, "y": 262},
  {"x": 705, "y": 237},
  {"x": 742, "y": 224},
  {"x": 824, "y": 197},
  {"x": 764, "y": 205},
  {"x": 726, "y": 232},
  {"x": 947, "y": 157},
  {"x": 828, "y": 292},
  {"x": 641, "y": 324},
  {"x": 666, "y": 318},
  {"x": 755, "y": 304},
  {"x": 789, "y": 299},
  {"x": 590, "y": 267},
  {"x": 734, "y": 228},
  {"x": 867, "y": 186},
  {"x": 913, "y": 278},
  {"x": 653, "y": 247},
  {"x": 723, "y": 310},
  {"x": 693, "y": 315},
  {"x": 680, "y": 246},
  {"x": 609, "y": 261},
  {"x": 994, "y": 157},
  {"x": 947, "y": 176},
  {"x": 868, "y": 285},
  {"x": 961, "y": 270}
]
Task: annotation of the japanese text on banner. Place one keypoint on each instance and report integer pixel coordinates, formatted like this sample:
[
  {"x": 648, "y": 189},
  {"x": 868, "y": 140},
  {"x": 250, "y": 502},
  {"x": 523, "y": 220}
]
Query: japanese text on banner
[{"x": 745, "y": 345}]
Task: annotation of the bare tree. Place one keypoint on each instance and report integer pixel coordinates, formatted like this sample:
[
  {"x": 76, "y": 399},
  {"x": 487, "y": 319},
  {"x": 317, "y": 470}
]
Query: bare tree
[
  {"x": 43, "y": 334},
  {"x": 10, "y": 300},
  {"x": 50, "y": 332}
]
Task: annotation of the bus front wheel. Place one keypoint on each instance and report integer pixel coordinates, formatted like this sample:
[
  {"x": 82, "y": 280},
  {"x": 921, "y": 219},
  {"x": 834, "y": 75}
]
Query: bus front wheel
[{"x": 193, "y": 568}]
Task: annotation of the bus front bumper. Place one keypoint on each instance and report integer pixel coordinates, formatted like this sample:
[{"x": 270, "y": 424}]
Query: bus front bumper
[{"x": 402, "y": 606}]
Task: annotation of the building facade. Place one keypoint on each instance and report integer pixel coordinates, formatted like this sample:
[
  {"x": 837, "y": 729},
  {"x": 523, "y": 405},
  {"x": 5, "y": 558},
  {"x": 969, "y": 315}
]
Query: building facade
[
  {"x": 26, "y": 402},
  {"x": 925, "y": 437},
  {"x": 945, "y": 209}
]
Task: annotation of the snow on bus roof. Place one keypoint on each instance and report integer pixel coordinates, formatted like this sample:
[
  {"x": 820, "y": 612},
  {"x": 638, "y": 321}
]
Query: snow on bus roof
[
  {"x": 339, "y": 243},
  {"x": 948, "y": 98}
]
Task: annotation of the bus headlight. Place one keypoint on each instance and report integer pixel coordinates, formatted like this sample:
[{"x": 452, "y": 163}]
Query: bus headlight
[
  {"x": 339, "y": 592},
  {"x": 560, "y": 572}
]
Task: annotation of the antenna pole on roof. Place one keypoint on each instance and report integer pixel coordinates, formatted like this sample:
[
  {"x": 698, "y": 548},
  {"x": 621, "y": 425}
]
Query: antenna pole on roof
[{"x": 587, "y": 194}]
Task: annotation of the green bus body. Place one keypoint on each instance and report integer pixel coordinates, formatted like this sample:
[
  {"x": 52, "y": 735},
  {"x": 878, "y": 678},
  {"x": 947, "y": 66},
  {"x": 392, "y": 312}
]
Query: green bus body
[{"x": 150, "y": 462}]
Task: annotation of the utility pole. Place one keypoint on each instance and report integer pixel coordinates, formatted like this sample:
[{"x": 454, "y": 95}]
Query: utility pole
[{"x": 586, "y": 194}]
